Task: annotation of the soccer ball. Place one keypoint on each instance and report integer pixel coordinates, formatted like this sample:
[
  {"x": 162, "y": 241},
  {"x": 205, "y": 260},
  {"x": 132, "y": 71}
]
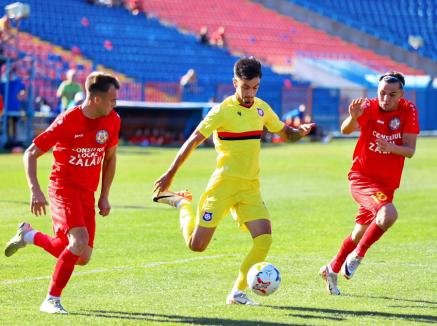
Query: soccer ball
[{"x": 263, "y": 278}]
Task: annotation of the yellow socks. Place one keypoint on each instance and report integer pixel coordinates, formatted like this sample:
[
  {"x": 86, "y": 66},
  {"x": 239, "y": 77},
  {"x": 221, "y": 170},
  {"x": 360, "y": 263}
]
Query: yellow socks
[
  {"x": 187, "y": 220},
  {"x": 258, "y": 253}
]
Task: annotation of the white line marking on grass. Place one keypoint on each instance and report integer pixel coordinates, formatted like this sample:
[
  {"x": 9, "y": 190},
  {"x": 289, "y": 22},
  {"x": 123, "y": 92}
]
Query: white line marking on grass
[{"x": 119, "y": 268}]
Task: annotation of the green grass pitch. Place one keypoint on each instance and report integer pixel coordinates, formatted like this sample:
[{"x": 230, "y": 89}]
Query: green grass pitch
[{"x": 142, "y": 273}]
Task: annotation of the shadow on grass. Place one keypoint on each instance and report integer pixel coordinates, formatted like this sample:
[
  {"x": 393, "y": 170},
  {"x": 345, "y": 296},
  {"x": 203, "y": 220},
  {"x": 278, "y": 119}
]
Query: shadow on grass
[
  {"x": 162, "y": 318},
  {"x": 133, "y": 207},
  {"x": 352, "y": 313},
  {"x": 390, "y": 298}
]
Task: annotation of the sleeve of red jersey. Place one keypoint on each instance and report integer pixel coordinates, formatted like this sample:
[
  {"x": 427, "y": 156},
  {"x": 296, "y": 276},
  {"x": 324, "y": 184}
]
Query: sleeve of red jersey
[
  {"x": 48, "y": 138},
  {"x": 114, "y": 138},
  {"x": 412, "y": 120}
]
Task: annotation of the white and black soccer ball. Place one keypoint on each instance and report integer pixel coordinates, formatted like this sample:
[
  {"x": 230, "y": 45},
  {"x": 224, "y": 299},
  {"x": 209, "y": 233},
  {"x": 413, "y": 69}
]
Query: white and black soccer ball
[{"x": 263, "y": 278}]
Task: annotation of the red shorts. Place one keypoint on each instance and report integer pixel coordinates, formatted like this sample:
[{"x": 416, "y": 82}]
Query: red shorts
[
  {"x": 370, "y": 195},
  {"x": 70, "y": 208}
]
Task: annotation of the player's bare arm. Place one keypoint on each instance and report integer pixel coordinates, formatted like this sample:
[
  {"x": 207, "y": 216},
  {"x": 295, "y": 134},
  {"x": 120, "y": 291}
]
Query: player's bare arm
[
  {"x": 108, "y": 172},
  {"x": 294, "y": 134},
  {"x": 164, "y": 182},
  {"x": 407, "y": 149},
  {"x": 356, "y": 109},
  {"x": 38, "y": 201}
]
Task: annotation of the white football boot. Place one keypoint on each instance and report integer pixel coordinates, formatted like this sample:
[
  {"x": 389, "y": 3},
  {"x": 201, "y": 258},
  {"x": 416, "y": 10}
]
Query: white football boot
[
  {"x": 52, "y": 306},
  {"x": 330, "y": 278},
  {"x": 350, "y": 265},
  {"x": 17, "y": 241},
  {"x": 172, "y": 198},
  {"x": 239, "y": 297}
]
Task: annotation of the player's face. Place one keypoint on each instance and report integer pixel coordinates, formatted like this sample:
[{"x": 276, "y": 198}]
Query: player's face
[
  {"x": 246, "y": 89},
  {"x": 107, "y": 101},
  {"x": 389, "y": 95}
]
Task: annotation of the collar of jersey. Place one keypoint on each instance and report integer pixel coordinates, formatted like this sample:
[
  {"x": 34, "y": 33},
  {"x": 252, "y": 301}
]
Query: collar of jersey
[{"x": 235, "y": 101}]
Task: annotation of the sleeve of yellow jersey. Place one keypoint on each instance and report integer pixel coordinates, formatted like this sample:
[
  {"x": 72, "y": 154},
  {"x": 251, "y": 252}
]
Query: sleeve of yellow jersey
[
  {"x": 211, "y": 122},
  {"x": 272, "y": 122}
]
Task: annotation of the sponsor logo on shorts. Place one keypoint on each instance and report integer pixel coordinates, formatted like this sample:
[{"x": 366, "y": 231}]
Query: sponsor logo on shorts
[
  {"x": 207, "y": 216},
  {"x": 260, "y": 112},
  {"x": 101, "y": 136}
]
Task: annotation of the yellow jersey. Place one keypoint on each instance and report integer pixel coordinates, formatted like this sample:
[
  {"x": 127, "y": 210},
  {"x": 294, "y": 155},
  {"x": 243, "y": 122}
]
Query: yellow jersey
[{"x": 237, "y": 134}]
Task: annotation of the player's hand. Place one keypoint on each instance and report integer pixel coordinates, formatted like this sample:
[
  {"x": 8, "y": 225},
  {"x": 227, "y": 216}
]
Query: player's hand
[
  {"x": 163, "y": 183},
  {"x": 384, "y": 145},
  {"x": 356, "y": 108},
  {"x": 304, "y": 129},
  {"x": 38, "y": 202},
  {"x": 104, "y": 206}
]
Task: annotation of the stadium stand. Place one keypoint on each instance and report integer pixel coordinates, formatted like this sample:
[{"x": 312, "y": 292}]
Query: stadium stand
[
  {"x": 251, "y": 28},
  {"x": 409, "y": 20},
  {"x": 139, "y": 47}
]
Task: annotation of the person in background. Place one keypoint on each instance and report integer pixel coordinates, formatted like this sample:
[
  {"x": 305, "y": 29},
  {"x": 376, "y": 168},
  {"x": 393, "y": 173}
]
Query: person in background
[
  {"x": 68, "y": 89},
  {"x": 203, "y": 35}
]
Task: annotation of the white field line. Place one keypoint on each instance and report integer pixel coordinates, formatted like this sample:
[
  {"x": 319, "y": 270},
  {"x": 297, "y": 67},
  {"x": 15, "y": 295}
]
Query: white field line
[{"x": 116, "y": 269}]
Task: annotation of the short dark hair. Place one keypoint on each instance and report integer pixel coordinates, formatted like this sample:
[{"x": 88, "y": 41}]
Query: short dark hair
[
  {"x": 392, "y": 77},
  {"x": 99, "y": 81},
  {"x": 247, "y": 68}
]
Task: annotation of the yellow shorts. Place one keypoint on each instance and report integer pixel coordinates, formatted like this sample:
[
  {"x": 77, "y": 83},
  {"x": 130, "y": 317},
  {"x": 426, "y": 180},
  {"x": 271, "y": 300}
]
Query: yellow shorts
[{"x": 223, "y": 195}]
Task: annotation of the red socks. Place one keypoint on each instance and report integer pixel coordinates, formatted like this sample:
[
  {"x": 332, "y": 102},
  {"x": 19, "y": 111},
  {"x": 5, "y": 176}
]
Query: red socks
[
  {"x": 372, "y": 234},
  {"x": 346, "y": 248},
  {"x": 63, "y": 270},
  {"x": 52, "y": 245}
]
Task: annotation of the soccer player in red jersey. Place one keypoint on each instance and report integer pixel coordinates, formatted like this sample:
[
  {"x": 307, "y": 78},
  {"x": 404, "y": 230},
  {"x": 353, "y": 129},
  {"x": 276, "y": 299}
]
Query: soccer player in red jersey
[
  {"x": 85, "y": 140},
  {"x": 388, "y": 131}
]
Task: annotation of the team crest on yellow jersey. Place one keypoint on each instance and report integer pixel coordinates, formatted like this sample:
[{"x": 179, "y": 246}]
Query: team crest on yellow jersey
[
  {"x": 260, "y": 112},
  {"x": 101, "y": 136}
]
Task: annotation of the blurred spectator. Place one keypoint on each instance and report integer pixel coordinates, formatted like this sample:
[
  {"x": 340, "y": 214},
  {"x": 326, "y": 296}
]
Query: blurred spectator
[
  {"x": 16, "y": 104},
  {"x": 295, "y": 118},
  {"x": 188, "y": 82},
  {"x": 156, "y": 138},
  {"x": 78, "y": 99},
  {"x": 6, "y": 30},
  {"x": 135, "y": 6},
  {"x": 68, "y": 89},
  {"x": 6, "y": 35},
  {"x": 42, "y": 105},
  {"x": 218, "y": 37},
  {"x": 203, "y": 35}
]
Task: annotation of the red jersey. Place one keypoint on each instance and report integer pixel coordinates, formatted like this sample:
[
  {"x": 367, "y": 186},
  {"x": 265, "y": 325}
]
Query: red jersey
[
  {"x": 368, "y": 159},
  {"x": 80, "y": 145}
]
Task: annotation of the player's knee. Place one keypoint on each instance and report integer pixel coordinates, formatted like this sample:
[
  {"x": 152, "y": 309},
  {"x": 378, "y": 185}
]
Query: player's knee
[
  {"x": 386, "y": 217},
  {"x": 79, "y": 243},
  {"x": 198, "y": 246},
  {"x": 83, "y": 261},
  {"x": 357, "y": 234}
]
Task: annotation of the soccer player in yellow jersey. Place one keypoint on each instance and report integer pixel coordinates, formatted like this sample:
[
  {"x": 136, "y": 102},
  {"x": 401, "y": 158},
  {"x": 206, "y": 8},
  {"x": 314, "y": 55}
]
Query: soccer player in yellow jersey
[{"x": 236, "y": 124}]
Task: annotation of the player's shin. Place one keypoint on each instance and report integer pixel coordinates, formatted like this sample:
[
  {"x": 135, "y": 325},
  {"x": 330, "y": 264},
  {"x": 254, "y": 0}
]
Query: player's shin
[
  {"x": 258, "y": 253},
  {"x": 372, "y": 234},
  {"x": 53, "y": 245},
  {"x": 346, "y": 248},
  {"x": 187, "y": 221},
  {"x": 63, "y": 270}
]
